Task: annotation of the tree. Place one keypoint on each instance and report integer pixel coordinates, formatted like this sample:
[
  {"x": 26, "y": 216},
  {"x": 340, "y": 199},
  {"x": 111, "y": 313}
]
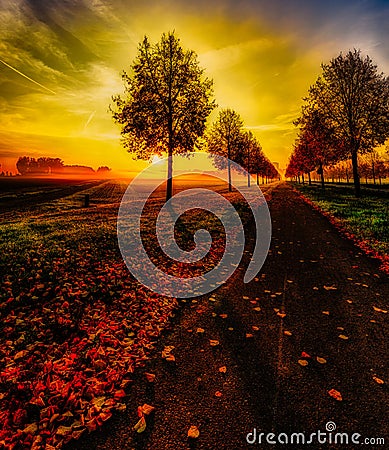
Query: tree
[
  {"x": 225, "y": 138},
  {"x": 166, "y": 102},
  {"x": 354, "y": 98}
]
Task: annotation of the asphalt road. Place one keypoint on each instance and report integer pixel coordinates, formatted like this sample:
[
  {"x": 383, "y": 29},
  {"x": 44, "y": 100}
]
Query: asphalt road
[{"x": 314, "y": 287}]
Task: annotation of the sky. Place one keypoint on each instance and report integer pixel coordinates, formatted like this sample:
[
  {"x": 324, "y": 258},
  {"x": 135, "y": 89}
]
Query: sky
[{"x": 61, "y": 61}]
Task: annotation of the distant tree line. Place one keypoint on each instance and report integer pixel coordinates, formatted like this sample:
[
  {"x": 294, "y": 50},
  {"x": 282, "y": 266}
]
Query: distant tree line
[
  {"x": 345, "y": 117},
  {"x": 45, "y": 165}
]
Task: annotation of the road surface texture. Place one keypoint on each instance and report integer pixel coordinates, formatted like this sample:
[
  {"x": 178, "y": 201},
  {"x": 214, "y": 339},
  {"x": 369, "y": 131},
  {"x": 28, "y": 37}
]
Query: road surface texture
[{"x": 314, "y": 294}]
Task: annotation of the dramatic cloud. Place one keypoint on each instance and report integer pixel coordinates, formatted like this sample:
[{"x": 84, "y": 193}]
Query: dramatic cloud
[{"x": 60, "y": 62}]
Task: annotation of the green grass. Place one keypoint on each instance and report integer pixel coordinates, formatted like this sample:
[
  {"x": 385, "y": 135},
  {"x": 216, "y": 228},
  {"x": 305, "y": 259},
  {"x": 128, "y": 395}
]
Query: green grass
[{"x": 367, "y": 217}]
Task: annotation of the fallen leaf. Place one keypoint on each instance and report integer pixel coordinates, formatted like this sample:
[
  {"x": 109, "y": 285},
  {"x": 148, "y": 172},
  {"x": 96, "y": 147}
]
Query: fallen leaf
[
  {"x": 384, "y": 311},
  {"x": 193, "y": 432},
  {"x": 218, "y": 394},
  {"x": 213, "y": 342},
  {"x": 287, "y": 333},
  {"x": 321, "y": 360},
  {"x": 147, "y": 409},
  {"x": 223, "y": 316},
  {"x": 257, "y": 308},
  {"x": 245, "y": 297},
  {"x": 378, "y": 380},
  {"x": 330, "y": 288},
  {"x": 140, "y": 426},
  {"x": 305, "y": 355},
  {"x": 200, "y": 330},
  {"x": 335, "y": 394},
  {"x": 344, "y": 337},
  {"x": 223, "y": 369},
  {"x": 327, "y": 313},
  {"x": 303, "y": 362},
  {"x": 150, "y": 377},
  {"x": 249, "y": 335},
  {"x": 255, "y": 328},
  {"x": 282, "y": 315}
]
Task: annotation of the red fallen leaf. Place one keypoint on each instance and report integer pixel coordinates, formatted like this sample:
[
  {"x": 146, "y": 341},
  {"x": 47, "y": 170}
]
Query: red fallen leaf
[
  {"x": 335, "y": 394},
  {"x": 218, "y": 394},
  {"x": 305, "y": 355},
  {"x": 119, "y": 394}
]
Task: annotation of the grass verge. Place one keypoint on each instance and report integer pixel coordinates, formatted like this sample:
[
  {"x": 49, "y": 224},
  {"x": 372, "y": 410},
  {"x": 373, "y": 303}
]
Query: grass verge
[{"x": 364, "y": 220}]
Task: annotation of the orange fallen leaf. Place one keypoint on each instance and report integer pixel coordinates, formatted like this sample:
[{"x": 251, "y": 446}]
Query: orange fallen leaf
[
  {"x": 147, "y": 409},
  {"x": 150, "y": 377},
  {"x": 255, "y": 328},
  {"x": 140, "y": 426},
  {"x": 330, "y": 288},
  {"x": 303, "y": 362},
  {"x": 344, "y": 337},
  {"x": 200, "y": 330},
  {"x": 245, "y": 297},
  {"x": 287, "y": 333},
  {"x": 218, "y": 394},
  {"x": 249, "y": 335},
  {"x": 335, "y": 394},
  {"x": 167, "y": 350},
  {"x": 223, "y": 316},
  {"x": 327, "y": 313},
  {"x": 282, "y": 315},
  {"x": 257, "y": 308},
  {"x": 223, "y": 369},
  {"x": 378, "y": 380},
  {"x": 321, "y": 360},
  {"x": 213, "y": 342},
  {"x": 193, "y": 432},
  {"x": 384, "y": 311}
]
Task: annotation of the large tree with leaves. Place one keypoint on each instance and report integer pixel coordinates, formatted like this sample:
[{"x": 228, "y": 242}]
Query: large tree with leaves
[
  {"x": 354, "y": 98},
  {"x": 225, "y": 138},
  {"x": 166, "y": 102}
]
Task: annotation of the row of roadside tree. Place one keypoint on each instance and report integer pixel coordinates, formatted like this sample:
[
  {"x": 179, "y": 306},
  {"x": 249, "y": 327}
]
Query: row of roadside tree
[
  {"x": 344, "y": 119},
  {"x": 164, "y": 110}
]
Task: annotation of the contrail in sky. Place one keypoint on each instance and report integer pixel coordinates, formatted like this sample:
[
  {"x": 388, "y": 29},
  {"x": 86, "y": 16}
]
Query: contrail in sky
[
  {"x": 89, "y": 119},
  {"x": 28, "y": 78}
]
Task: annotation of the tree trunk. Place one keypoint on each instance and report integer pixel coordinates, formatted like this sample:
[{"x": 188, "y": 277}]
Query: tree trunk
[
  {"x": 309, "y": 179},
  {"x": 302, "y": 177},
  {"x": 322, "y": 175},
  {"x": 373, "y": 171},
  {"x": 248, "y": 167},
  {"x": 347, "y": 178},
  {"x": 298, "y": 177},
  {"x": 229, "y": 168},
  {"x": 357, "y": 182},
  {"x": 257, "y": 179},
  {"x": 169, "y": 185}
]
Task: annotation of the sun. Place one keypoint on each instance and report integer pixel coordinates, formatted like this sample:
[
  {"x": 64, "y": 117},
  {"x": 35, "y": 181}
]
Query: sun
[{"x": 156, "y": 159}]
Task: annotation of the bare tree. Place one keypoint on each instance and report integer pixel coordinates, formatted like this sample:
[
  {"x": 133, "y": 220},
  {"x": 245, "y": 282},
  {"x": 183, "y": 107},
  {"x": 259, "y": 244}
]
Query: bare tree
[{"x": 166, "y": 102}]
